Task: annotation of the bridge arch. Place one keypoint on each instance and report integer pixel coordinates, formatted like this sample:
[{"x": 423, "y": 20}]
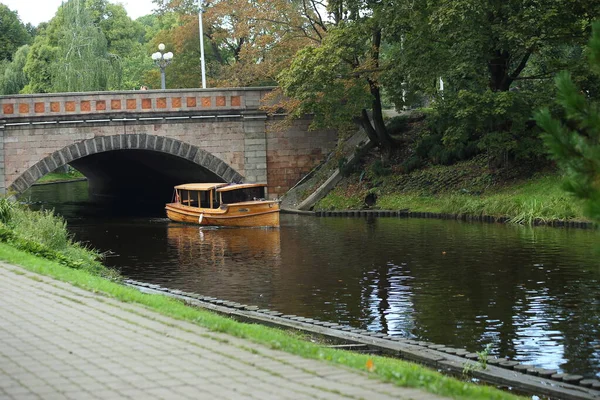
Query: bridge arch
[{"x": 139, "y": 142}]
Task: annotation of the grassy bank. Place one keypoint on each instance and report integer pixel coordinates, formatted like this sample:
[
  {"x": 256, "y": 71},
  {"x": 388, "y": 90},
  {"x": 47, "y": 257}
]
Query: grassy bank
[
  {"x": 61, "y": 177},
  {"x": 44, "y": 234},
  {"x": 466, "y": 188},
  {"x": 393, "y": 370}
]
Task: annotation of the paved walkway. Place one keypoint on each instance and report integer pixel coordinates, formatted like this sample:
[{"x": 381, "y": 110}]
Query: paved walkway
[{"x": 61, "y": 342}]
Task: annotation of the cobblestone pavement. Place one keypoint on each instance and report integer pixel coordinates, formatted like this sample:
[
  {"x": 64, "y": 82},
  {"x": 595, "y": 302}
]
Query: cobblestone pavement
[{"x": 61, "y": 342}]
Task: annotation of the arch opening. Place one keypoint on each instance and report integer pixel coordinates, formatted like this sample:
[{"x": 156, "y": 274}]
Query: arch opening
[{"x": 138, "y": 170}]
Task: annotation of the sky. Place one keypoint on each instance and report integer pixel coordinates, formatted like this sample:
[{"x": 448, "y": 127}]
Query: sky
[{"x": 36, "y": 11}]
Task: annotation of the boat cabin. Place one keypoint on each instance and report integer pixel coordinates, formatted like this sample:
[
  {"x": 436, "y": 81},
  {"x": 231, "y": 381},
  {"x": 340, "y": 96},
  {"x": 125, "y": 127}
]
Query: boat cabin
[{"x": 213, "y": 195}]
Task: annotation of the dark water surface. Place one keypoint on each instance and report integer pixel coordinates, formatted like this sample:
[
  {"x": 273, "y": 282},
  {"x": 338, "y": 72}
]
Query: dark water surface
[{"x": 533, "y": 293}]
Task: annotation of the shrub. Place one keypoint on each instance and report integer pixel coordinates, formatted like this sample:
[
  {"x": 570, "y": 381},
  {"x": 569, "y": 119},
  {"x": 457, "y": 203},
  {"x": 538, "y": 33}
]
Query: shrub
[{"x": 6, "y": 210}]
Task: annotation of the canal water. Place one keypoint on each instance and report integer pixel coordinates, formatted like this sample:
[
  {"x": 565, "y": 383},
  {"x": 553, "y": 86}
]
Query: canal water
[{"x": 532, "y": 293}]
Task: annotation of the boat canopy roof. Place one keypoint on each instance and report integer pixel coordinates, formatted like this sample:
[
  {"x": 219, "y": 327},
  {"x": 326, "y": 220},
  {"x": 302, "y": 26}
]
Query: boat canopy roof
[
  {"x": 200, "y": 186},
  {"x": 221, "y": 187},
  {"x": 240, "y": 186}
]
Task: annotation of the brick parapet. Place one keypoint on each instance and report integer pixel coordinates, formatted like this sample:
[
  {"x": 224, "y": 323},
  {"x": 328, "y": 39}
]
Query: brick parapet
[{"x": 131, "y": 102}]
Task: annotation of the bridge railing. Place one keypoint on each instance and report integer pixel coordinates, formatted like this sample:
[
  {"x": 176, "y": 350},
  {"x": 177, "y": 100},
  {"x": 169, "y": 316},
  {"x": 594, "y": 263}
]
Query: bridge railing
[{"x": 137, "y": 102}]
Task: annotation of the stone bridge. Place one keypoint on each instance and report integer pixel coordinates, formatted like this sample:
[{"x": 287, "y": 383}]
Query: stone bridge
[{"x": 145, "y": 142}]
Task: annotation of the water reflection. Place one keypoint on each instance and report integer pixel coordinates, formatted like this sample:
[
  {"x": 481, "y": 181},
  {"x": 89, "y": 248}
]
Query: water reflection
[
  {"x": 232, "y": 258},
  {"x": 533, "y": 293}
]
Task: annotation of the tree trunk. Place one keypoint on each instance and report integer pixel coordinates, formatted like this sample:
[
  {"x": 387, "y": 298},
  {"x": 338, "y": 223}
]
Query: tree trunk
[
  {"x": 377, "y": 128},
  {"x": 498, "y": 65},
  {"x": 365, "y": 122},
  {"x": 385, "y": 140}
]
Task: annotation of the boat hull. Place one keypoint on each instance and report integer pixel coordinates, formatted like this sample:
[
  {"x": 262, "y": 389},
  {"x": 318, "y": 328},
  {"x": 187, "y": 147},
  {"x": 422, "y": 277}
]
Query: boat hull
[{"x": 255, "y": 213}]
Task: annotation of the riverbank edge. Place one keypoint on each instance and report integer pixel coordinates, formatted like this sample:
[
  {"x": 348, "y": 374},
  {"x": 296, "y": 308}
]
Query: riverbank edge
[
  {"x": 402, "y": 373},
  {"x": 433, "y": 215},
  {"x": 38, "y": 183},
  {"x": 458, "y": 362}
]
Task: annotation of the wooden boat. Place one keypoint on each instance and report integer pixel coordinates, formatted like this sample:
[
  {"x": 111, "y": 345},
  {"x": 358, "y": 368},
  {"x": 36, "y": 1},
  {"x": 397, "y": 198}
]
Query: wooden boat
[{"x": 223, "y": 204}]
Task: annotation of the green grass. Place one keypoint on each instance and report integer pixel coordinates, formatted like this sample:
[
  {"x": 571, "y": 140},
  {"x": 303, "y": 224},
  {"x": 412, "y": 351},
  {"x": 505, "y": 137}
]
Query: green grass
[
  {"x": 58, "y": 177},
  {"x": 387, "y": 369},
  {"x": 539, "y": 198},
  {"x": 338, "y": 201},
  {"x": 44, "y": 234}
]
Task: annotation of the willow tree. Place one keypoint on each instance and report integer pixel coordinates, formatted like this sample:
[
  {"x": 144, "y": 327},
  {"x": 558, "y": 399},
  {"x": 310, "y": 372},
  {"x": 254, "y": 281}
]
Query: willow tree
[
  {"x": 84, "y": 63},
  {"x": 13, "y": 78}
]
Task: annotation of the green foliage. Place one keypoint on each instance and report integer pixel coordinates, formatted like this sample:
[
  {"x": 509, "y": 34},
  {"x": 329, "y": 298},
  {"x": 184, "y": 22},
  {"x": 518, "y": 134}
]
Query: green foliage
[
  {"x": 85, "y": 64},
  {"x": 45, "y": 235},
  {"x": 397, "y": 124},
  {"x": 380, "y": 168},
  {"x": 411, "y": 164},
  {"x": 482, "y": 356},
  {"x": 465, "y": 188},
  {"x": 43, "y": 227},
  {"x": 336, "y": 201},
  {"x": 13, "y": 78},
  {"x": 71, "y": 173},
  {"x": 430, "y": 148},
  {"x": 497, "y": 122},
  {"x": 574, "y": 141},
  {"x": 6, "y": 210},
  {"x": 495, "y": 59},
  {"x": 13, "y": 34},
  {"x": 89, "y": 45},
  {"x": 322, "y": 81},
  {"x": 38, "y": 67}
]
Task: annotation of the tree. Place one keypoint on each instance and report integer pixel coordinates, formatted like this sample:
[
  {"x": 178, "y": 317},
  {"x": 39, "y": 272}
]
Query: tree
[
  {"x": 574, "y": 140},
  {"x": 121, "y": 33},
  {"x": 490, "y": 44},
  {"x": 13, "y": 34},
  {"x": 338, "y": 78},
  {"x": 39, "y": 64},
  {"x": 85, "y": 63},
  {"x": 13, "y": 78},
  {"x": 496, "y": 59},
  {"x": 88, "y": 45},
  {"x": 247, "y": 42}
]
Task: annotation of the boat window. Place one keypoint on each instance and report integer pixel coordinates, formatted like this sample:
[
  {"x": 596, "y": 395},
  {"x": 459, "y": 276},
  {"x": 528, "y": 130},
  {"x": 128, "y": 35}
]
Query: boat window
[
  {"x": 205, "y": 199},
  {"x": 188, "y": 198},
  {"x": 247, "y": 194}
]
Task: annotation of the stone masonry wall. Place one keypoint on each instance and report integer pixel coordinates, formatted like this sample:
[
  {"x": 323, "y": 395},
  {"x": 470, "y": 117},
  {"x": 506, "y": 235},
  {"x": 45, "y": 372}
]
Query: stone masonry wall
[
  {"x": 294, "y": 152},
  {"x": 226, "y": 123},
  {"x": 24, "y": 147}
]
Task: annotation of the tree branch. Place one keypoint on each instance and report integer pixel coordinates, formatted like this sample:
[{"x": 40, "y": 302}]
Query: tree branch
[{"x": 521, "y": 65}]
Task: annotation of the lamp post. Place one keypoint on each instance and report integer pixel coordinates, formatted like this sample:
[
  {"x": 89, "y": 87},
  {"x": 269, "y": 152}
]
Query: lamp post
[
  {"x": 201, "y": 44},
  {"x": 162, "y": 60}
]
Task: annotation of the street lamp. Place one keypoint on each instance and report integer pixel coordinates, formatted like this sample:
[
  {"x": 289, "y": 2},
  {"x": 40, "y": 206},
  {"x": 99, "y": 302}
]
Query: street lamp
[
  {"x": 162, "y": 60},
  {"x": 202, "y": 68}
]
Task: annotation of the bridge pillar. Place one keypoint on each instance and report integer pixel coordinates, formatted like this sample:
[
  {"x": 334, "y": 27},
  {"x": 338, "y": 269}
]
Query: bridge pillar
[{"x": 255, "y": 149}]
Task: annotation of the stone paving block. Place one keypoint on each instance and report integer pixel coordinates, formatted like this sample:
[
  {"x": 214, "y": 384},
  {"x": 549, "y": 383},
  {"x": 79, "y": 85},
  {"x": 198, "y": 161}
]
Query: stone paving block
[
  {"x": 80, "y": 395},
  {"x": 113, "y": 350}
]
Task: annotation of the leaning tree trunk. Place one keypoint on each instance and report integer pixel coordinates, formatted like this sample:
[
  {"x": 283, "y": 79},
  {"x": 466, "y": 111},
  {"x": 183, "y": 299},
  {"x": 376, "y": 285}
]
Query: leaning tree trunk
[{"x": 375, "y": 126}]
